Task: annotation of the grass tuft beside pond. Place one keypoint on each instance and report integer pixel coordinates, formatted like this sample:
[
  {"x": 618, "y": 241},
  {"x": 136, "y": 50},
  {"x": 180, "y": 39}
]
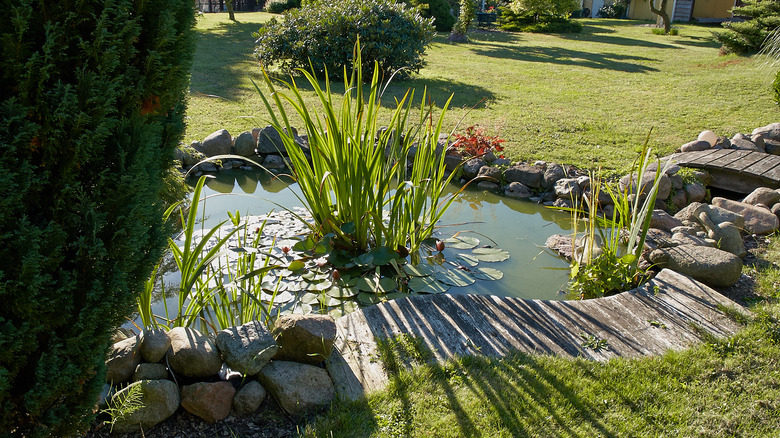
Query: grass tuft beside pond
[
  {"x": 586, "y": 99},
  {"x": 724, "y": 388}
]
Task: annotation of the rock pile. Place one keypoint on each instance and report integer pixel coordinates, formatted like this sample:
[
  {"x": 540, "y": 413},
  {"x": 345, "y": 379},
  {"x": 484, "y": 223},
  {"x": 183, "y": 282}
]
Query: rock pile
[{"x": 212, "y": 376}]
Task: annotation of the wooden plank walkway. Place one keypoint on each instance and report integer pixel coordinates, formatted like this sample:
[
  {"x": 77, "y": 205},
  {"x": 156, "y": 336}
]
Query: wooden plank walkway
[
  {"x": 733, "y": 169},
  {"x": 651, "y": 319}
]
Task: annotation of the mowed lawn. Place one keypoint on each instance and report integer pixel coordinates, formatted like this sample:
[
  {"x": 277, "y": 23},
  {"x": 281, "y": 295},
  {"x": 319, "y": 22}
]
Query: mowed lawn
[{"x": 587, "y": 99}]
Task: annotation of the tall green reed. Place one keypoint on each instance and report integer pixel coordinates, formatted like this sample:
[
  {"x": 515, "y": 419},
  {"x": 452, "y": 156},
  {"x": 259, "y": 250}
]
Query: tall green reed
[
  {"x": 357, "y": 170},
  {"x": 611, "y": 247},
  {"x": 203, "y": 298}
]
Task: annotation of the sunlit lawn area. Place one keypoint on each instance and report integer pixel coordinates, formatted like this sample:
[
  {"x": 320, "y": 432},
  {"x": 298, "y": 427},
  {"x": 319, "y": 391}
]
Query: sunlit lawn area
[{"x": 586, "y": 99}]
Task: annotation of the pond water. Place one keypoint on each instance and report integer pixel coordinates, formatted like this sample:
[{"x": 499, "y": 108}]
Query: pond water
[{"x": 519, "y": 227}]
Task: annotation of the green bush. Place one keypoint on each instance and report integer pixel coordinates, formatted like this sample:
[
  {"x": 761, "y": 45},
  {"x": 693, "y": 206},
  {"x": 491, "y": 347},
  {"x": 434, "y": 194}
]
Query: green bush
[
  {"x": 439, "y": 10},
  {"x": 617, "y": 9},
  {"x": 324, "y": 33},
  {"x": 527, "y": 22},
  {"x": 540, "y": 9},
  {"x": 92, "y": 100},
  {"x": 279, "y": 6},
  {"x": 749, "y": 36}
]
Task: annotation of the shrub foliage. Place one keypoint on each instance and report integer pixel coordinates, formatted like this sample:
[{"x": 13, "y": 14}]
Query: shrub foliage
[
  {"x": 528, "y": 22},
  {"x": 439, "y": 10},
  {"x": 91, "y": 108},
  {"x": 749, "y": 36},
  {"x": 324, "y": 33}
]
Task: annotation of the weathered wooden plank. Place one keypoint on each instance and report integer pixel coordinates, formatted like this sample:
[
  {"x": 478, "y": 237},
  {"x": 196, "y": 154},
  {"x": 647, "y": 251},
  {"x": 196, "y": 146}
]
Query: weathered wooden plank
[
  {"x": 684, "y": 158},
  {"x": 767, "y": 162},
  {"x": 772, "y": 174},
  {"x": 713, "y": 156},
  {"x": 451, "y": 325},
  {"x": 746, "y": 164},
  {"x": 725, "y": 161}
]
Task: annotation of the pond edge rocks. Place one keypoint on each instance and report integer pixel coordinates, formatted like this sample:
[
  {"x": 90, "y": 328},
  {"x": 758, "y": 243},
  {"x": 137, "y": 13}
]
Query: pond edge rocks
[{"x": 213, "y": 375}]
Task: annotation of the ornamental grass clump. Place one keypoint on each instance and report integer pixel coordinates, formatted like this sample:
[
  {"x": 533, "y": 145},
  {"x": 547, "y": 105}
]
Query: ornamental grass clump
[
  {"x": 357, "y": 186},
  {"x": 611, "y": 248}
]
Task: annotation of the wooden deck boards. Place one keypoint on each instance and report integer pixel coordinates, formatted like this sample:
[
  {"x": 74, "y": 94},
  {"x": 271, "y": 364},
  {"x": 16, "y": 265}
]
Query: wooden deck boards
[
  {"x": 735, "y": 170},
  {"x": 651, "y": 319}
]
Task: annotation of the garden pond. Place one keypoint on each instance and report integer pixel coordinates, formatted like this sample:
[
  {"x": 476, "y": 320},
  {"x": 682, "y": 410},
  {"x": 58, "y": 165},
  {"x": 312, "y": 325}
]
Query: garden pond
[{"x": 498, "y": 248}]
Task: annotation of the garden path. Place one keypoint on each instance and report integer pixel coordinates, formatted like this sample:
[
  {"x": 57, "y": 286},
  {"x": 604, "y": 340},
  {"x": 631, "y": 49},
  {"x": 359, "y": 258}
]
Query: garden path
[
  {"x": 733, "y": 169},
  {"x": 663, "y": 314}
]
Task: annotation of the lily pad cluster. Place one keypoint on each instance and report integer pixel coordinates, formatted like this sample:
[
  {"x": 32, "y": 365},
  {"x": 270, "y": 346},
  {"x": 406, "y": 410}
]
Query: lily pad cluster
[{"x": 313, "y": 276}]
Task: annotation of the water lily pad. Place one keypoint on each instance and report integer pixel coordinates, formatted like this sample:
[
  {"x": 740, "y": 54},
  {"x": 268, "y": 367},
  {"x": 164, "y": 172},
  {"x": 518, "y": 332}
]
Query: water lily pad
[
  {"x": 309, "y": 298},
  {"x": 368, "y": 299},
  {"x": 462, "y": 242},
  {"x": 490, "y": 254},
  {"x": 329, "y": 301},
  {"x": 280, "y": 298},
  {"x": 427, "y": 285},
  {"x": 319, "y": 287},
  {"x": 466, "y": 260},
  {"x": 302, "y": 309},
  {"x": 335, "y": 313},
  {"x": 377, "y": 285},
  {"x": 419, "y": 270},
  {"x": 271, "y": 285},
  {"x": 396, "y": 295},
  {"x": 487, "y": 274},
  {"x": 455, "y": 277},
  {"x": 342, "y": 293},
  {"x": 296, "y": 265},
  {"x": 315, "y": 276},
  {"x": 382, "y": 255}
]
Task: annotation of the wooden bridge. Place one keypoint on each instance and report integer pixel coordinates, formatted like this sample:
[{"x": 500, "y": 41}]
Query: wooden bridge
[
  {"x": 667, "y": 313},
  {"x": 733, "y": 169}
]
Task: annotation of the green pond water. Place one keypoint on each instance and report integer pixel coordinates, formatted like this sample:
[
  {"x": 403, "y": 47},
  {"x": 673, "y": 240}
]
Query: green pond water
[{"x": 519, "y": 227}]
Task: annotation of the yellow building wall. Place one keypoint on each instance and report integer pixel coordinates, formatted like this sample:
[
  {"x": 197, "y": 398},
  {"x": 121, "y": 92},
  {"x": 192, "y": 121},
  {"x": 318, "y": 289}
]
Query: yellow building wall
[
  {"x": 640, "y": 9},
  {"x": 712, "y": 8}
]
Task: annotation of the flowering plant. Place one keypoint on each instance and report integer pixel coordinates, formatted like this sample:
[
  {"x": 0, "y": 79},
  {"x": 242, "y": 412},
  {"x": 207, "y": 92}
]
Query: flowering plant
[{"x": 474, "y": 143}]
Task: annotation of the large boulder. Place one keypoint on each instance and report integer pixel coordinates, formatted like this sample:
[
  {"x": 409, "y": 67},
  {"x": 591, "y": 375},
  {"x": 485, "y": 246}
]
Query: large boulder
[
  {"x": 711, "y": 266},
  {"x": 567, "y": 188},
  {"x": 150, "y": 371},
  {"x": 770, "y": 131},
  {"x": 762, "y": 195},
  {"x": 154, "y": 345},
  {"x": 696, "y": 145},
  {"x": 125, "y": 355},
  {"x": 741, "y": 141},
  {"x": 245, "y": 144},
  {"x": 270, "y": 142},
  {"x": 730, "y": 239},
  {"x": 530, "y": 176},
  {"x": 217, "y": 143},
  {"x": 246, "y": 348},
  {"x": 472, "y": 166},
  {"x": 192, "y": 354},
  {"x": 664, "y": 221},
  {"x": 629, "y": 182},
  {"x": 489, "y": 174},
  {"x": 304, "y": 338},
  {"x": 159, "y": 399},
  {"x": 210, "y": 401},
  {"x": 695, "y": 191},
  {"x": 298, "y": 388},
  {"x": 248, "y": 398},
  {"x": 757, "y": 220},
  {"x": 552, "y": 173},
  {"x": 518, "y": 191}
]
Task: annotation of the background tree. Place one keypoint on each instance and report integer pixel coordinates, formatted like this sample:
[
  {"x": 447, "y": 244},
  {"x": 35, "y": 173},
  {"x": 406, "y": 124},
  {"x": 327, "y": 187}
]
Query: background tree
[
  {"x": 92, "y": 99},
  {"x": 661, "y": 12},
  {"x": 751, "y": 35},
  {"x": 466, "y": 14}
]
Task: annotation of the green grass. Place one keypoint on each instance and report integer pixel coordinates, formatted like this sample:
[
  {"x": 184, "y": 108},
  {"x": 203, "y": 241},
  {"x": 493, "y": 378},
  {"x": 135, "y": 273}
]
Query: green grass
[
  {"x": 723, "y": 388},
  {"x": 587, "y": 99}
]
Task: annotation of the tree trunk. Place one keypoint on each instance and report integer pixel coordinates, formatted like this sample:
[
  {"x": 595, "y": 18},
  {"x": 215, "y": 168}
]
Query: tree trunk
[
  {"x": 661, "y": 12},
  {"x": 231, "y": 14}
]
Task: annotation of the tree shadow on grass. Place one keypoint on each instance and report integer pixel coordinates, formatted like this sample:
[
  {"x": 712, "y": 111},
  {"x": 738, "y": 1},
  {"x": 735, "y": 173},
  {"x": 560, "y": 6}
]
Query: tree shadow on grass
[
  {"x": 597, "y": 35},
  {"x": 517, "y": 392},
  {"x": 219, "y": 51},
  {"x": 561, "y": 56}
]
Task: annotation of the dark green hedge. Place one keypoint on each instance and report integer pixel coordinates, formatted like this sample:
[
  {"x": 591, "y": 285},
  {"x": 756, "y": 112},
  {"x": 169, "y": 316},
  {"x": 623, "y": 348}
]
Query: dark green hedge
[
  {"x": 439, "y": 10},
  {"x": 324, "y": 32},
  {"x": 92, "y": 98}
]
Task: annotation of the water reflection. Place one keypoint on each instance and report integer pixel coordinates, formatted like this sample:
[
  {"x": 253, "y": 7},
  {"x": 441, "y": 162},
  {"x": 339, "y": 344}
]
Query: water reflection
[{"x": 520, "y": 227}]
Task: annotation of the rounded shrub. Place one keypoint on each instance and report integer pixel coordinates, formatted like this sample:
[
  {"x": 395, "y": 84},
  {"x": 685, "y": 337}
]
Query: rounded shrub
[
  {"x": 324, "y": 33},
  {"x": 279, "y": 6},
  {"x": 439, "y": 10},
  {"x": 92, "y": 98}
]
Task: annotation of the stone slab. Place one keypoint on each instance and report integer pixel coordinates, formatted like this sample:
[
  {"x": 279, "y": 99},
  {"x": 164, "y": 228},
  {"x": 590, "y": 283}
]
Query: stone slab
[{"x": 649, "y": 320}]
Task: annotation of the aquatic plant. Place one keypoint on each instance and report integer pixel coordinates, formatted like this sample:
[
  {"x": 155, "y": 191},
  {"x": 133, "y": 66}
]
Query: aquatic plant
[
  {"x": 611, "y": 247},
  {"x": 357, "y": 187}
]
